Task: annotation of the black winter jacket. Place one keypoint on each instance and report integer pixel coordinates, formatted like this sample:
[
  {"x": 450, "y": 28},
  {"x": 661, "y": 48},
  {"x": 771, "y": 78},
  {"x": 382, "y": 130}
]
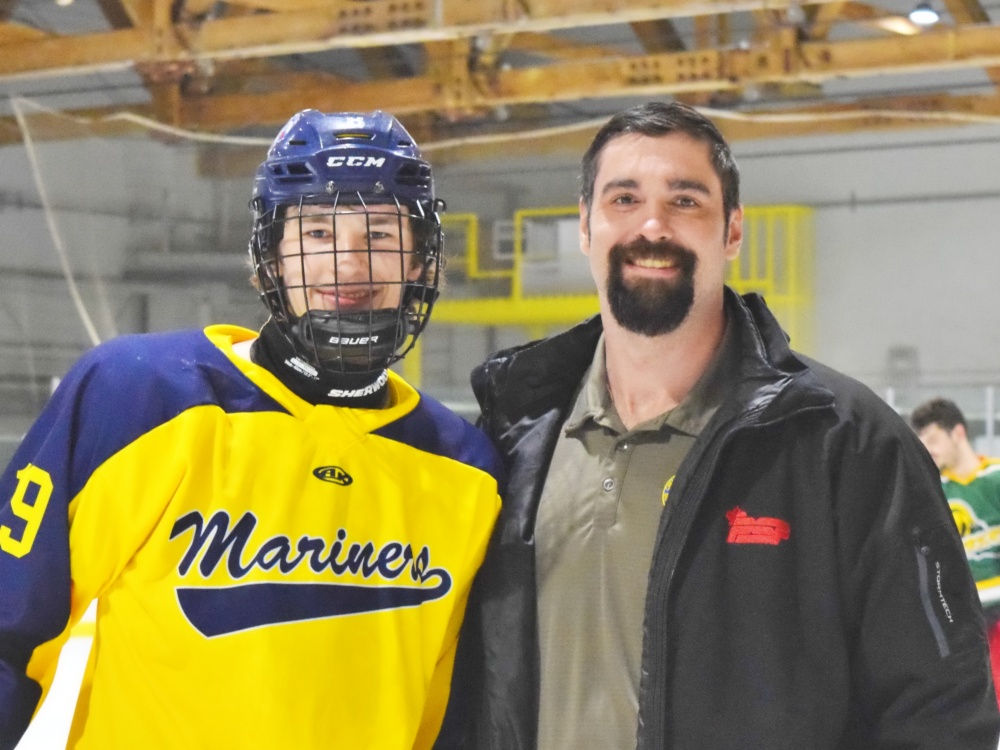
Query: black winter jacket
[{"x": 861, "y": 630}]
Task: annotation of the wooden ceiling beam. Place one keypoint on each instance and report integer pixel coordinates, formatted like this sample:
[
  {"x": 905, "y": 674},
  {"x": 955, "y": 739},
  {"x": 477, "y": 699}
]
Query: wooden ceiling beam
[
  {"x": 821, "y": 19},
  {"x": 453, "y": 87},
  {"x": 15, "y": 33},
  {"x": 872, "y": 114},
  {"x": 962, "y": 47},
  {"x": 449, "y": 68},
  {"x": 877, "y": 18},
  {"x": 163, "y": 81},
  {"x": 966, "y": 11},
  {"x": 335, "y": 24},
  {"x": 970, "y": 12},
  {"x": 227, "y": 112},
  {"x": 278, "y": 6},
  {"x": 558, "y": 48},
  {"x": 869, "y": 114},
  {"x": 824, "y": 16},
  {"x": 784, "y": 60}
]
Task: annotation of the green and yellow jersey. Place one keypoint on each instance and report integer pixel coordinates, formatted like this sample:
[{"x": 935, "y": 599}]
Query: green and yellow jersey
[
  {"x": 268, "y": 573},
  {"x": 975, "y": 505}
]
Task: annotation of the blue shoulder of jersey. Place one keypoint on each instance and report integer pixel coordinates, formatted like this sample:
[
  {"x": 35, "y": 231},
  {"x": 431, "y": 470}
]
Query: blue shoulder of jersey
[
  {"x": 129, "y": 385},
  {"x": 434, "y": 428}
]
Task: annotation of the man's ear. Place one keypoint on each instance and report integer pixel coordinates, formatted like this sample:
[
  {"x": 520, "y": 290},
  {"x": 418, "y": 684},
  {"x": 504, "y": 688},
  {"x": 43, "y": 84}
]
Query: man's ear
[
  {"x": 958, "y": 432},
  {"x": 584, "y": 228},
  {"x": 734, "y": 233}
]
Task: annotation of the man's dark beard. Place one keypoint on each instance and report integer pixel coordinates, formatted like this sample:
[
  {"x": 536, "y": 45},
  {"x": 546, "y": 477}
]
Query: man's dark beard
[{"x": 650, "y": 306}]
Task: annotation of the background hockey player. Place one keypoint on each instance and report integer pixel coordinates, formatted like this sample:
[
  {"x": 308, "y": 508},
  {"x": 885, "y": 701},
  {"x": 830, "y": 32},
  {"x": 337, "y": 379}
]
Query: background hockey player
[{"x": 971, "y": 483}]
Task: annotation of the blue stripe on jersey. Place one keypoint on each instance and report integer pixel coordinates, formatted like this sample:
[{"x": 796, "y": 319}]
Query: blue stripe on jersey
[
  {"x": 433, "y": 428},
  {"x": 222, "y": 610},
  {"x": 126, "y": 387}
]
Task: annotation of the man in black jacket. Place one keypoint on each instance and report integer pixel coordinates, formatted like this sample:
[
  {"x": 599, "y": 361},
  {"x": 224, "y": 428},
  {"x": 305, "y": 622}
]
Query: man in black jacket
[{"x": 709, "y": 542}]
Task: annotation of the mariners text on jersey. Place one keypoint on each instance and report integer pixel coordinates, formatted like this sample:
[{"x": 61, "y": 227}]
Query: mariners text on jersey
[{"x": 246, "y": 596}]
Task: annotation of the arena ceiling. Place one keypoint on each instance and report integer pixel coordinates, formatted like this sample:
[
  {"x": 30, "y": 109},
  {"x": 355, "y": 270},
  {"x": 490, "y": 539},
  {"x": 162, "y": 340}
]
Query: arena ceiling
[{"x": 492, "y": 77}]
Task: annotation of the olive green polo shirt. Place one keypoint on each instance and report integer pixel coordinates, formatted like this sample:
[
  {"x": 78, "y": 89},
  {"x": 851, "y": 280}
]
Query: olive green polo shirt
[{"x": 597, "y": 522}]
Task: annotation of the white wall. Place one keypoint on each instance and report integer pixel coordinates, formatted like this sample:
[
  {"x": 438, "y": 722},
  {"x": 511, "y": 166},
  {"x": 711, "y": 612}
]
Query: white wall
[
  {"x": 906, "y": 253},
  {"x": 919, "y": 275}
]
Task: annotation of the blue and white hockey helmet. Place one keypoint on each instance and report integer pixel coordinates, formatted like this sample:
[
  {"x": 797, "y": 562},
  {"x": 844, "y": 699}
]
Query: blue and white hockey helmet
[
  {"x": 316, "y": 155},
  {"x": 339, "y": 166}
]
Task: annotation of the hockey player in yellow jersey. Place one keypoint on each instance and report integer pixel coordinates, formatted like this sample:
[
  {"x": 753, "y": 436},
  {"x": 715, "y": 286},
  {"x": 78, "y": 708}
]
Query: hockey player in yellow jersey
[{"x": 280, "y": 533}]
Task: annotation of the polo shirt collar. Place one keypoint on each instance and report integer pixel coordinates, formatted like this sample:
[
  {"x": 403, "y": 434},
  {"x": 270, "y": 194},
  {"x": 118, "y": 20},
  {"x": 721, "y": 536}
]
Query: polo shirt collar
[{"x": 593, "y": 406}]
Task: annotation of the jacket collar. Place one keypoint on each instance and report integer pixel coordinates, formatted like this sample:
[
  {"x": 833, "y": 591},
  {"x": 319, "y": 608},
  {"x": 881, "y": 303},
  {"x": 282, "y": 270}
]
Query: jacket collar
[{"x": 528, "y": 380}]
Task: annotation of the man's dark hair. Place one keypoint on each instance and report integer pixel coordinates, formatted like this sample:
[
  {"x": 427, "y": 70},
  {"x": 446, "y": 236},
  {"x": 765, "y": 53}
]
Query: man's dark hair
[
  {"x": 656, "y": 119},
  {"x": 939, "y": 411}
]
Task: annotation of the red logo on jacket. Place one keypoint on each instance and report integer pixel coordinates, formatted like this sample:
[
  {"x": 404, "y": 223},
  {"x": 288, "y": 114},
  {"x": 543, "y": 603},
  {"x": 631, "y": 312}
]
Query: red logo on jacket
[{"x": 744, "y": 529}]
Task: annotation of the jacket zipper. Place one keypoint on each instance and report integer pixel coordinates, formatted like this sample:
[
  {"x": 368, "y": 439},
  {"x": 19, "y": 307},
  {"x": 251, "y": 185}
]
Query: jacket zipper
[
  {"x": 686, "y": 512},
  {"x": 921, "y": 552},
  {"x": 657, "y": 639}
]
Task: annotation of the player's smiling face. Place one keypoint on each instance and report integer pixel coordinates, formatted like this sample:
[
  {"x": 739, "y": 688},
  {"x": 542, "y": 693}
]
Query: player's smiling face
[
  {"x": 656, "y": 234},
  {"x": 347, "y": 260}
]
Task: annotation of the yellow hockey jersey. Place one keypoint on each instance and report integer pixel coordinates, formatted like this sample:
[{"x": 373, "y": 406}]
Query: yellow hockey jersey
[{"x": 268, "y": 573}]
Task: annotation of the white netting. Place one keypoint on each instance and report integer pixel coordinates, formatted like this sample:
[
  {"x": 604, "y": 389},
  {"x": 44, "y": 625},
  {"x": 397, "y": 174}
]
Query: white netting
[{"x": 114, "y": 226}]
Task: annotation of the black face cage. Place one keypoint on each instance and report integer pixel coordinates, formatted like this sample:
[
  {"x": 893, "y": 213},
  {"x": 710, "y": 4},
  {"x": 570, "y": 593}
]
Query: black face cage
[{"x": 350, "y": 340}]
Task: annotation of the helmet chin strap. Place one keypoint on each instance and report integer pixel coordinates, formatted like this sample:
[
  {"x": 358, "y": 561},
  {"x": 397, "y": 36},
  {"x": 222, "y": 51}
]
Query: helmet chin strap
[{"x": 362, "y": 389}]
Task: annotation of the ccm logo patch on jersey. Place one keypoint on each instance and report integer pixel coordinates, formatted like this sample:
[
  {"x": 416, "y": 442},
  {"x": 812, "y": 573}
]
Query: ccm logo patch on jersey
[
  {"x": 333, "y": 474},
  {"x": 355, "y": 161}
]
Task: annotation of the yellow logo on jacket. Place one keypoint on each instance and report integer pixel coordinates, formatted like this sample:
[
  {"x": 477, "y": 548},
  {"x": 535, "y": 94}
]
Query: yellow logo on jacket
[{"x": 666, "y": 490}]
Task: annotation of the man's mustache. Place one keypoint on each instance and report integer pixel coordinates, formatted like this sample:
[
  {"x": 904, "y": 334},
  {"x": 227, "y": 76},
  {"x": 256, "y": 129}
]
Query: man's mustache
[{"x": 640, "y": 247}]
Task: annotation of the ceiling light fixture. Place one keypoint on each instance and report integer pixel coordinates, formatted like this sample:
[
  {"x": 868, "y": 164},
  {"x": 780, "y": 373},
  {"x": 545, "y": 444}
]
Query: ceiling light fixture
[
  {"x": 64, "y": 3},
  {"x": 924, "y": 15},
  {"x": 794, "y": 14}
]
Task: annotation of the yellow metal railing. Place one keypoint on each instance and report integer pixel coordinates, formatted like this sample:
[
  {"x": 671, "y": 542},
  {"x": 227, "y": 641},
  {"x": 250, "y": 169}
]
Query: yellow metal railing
[
  {"x": 775, "y": 261},
  {"x": 468, "y": 261},
  {"x": 515, "y": 309}
]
